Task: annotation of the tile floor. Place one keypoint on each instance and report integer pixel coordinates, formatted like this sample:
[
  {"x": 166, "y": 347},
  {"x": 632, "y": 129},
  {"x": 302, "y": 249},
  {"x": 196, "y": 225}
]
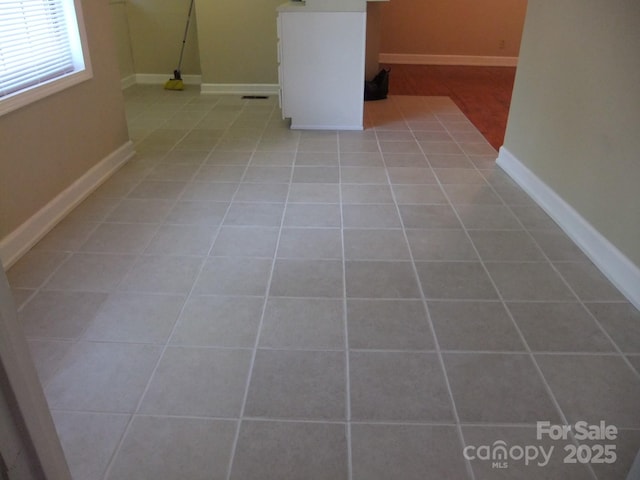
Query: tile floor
[{"x": 242, "y": 301}]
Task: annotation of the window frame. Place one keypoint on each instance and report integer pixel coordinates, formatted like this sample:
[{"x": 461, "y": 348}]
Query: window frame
[{"x": 32, "y": 94}]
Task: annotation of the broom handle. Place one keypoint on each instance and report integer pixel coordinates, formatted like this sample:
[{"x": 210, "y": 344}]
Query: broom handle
[{"x": 186, "y": 30}]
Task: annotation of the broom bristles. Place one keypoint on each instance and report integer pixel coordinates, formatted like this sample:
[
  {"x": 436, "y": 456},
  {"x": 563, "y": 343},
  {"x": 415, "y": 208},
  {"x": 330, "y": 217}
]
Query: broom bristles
[{"x": 174, "y": 84}]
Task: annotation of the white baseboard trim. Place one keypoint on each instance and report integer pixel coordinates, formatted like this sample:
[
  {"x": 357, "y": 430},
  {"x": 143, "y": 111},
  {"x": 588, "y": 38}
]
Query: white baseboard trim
[
  {"x": 468, "y": 60},
  {"x": 18, "y": 242},
  {"x": 205, "y": 88},
  {"x": 621, "y": 271},
  {"x": 239, "y": 89},
  {"x": 161, "y": 78},
  {"x": 326, "y": 127},
  {"x": 127, "y": 82}
]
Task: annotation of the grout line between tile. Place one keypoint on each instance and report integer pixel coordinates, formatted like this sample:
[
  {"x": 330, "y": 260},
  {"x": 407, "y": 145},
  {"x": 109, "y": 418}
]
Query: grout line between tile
[
  {"x": 164, "y": 349},
  {"x": 432, "y": 330},
  {"x": 345, "y": 324},
  {"x": 259, "y": 331},
  {"x": 529, "y": 352}
]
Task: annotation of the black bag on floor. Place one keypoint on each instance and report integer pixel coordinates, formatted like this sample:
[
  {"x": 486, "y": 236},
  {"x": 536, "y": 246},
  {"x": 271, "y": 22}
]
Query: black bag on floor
[{"x": 378, "y": 88}]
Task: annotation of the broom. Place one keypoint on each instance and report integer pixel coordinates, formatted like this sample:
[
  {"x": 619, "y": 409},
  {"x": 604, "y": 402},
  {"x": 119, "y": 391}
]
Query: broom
[{"x": 176, "y": 82}]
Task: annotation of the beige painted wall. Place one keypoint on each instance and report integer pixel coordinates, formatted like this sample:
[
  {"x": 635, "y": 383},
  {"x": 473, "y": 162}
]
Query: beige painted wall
[
  {"x": 453, "y": 27},
  {"x": 156, "y": 29},
  {"x": 49, "y": 144},
  {"x": 575, "y": 111},
  {"x": 122, "y": 36},
  {"x": 238, "y": 41}
]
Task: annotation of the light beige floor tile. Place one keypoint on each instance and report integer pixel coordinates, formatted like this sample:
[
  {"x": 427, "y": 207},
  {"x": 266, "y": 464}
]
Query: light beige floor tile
[
  {"x": 593, "y": 388},
  {"x": 361, "y": 156},
  {"x": 91, "y": 271},
  {"x": 166, "y": 190},
  {"x": 261, "y": 174},
  {"x": 475, "y": 326},
  {"x": 559, "y": 327},
  {"x": 312, "y": 215},
  {"x": 471, "y": 194},
  {"x": 388, "y": 325},
  {"x": 405, "y": 160},
  {"x": 197, "y": 213},
  {"x": 162, "y": 274},
  {"x": 47, "y": 356},
  {"x": 262, "y": 192},
  {"x": 318, "y": 243},
  {"x": 455, "y": 280},
  {"x": 533, "y": 217},
  {"x": 376, "y": 279},
  {"x": 410, "y": 452},
  {"x": 89, "y": 440},
  {"x": 34, "y": 268},
  {"x": 297, "y": 385},
  {"x": 393, "y": 386},
  {"x": 588, "y": 282},
  {"x": 198, "y": 449},
  {"x": 102, "y": 377},
  {"x": 621, "y": 321},
  {"x": 273, "y": 450},
  {"x": 202, "y": 382},
  {"x": 411, "y": 175},
  {"x": 369, "y": 175},
  {"x": 60, "y": 315},
  {"x": 399, "y": 147},
  {"x": 307, "y": 278},
  {"x": 92, "y": 209},
  {"x": 172, "y": 172},
  {"x": 505, "y": 246},
  {"x": 492, "y": 217},
  {"x": 419, "y": 194},
  {"x": 370, "y": 216},
  {"x": 273, "y": 158},
  {"x": 528, "y": 281},
  {"x": 256, "y": 214},
  {"x": 243, "y": 156},
  {"x": 135, "y": 210},
  {"x": 219, "y": 321},
  {"x": 182, "y": 240},
  {"x": 428, "y": 216},
  {"x": 509, "y": 385},
  {"x": 476, "y": 436},
  {"x": 124, "y": 238},
  {"x": 315, "y": 174},
  {"x": 136, "y": 318},
  {"x": 314, "y": 193},
  {"x": 316, "y": 159},
  {"x": 449, "y": 161},
  {"x": 308, "y": 323},
  {"x": 209, "y": 192},
  {"x": 440, "y": 244},
  {"x": 375, "y": 245},
  {"x": 218, "y": 157},
  {"x": 557, "y": 246},
  {"x": 234, "y": 276},
  {"x": 363, "y": 194},
  {"x": 67, "y": 236},
  {"x": 246, "y": 242}
]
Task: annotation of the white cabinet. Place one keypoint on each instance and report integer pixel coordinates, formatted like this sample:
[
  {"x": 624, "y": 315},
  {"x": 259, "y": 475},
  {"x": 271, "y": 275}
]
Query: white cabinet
[{"x": 321, "y": 56}]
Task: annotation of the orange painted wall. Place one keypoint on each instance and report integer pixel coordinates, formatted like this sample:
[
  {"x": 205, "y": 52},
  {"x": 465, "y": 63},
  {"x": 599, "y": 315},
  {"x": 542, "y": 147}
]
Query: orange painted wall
[{"x": 453, "y": 27}]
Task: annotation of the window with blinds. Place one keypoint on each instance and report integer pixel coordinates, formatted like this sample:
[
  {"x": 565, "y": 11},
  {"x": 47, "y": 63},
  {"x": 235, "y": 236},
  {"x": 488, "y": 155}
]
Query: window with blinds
[{"x": 41, "y": 49}]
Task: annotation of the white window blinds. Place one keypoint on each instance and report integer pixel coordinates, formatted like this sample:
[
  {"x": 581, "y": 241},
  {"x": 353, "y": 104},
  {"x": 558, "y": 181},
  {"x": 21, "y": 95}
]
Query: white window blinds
[{"x": 37, "y": 43}]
